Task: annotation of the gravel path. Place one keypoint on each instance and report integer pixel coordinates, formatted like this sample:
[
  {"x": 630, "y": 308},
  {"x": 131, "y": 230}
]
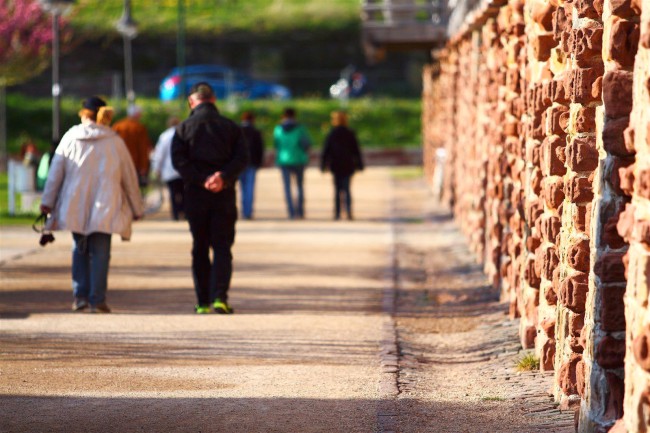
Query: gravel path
[{"x": 376, "y": 325}]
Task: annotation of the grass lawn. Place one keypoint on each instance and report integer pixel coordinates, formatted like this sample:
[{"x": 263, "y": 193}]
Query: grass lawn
[
  {"x": 5, "y": 218},
  {"x": 212, "y": 17}
]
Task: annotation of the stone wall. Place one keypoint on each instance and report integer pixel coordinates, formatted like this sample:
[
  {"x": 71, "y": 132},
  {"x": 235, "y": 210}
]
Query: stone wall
[{"x": 546, "y": 174}]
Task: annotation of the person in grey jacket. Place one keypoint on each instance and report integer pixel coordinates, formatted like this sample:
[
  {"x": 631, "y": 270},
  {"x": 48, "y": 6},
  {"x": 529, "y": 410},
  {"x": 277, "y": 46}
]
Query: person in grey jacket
[{"x": 92, "y": 191}]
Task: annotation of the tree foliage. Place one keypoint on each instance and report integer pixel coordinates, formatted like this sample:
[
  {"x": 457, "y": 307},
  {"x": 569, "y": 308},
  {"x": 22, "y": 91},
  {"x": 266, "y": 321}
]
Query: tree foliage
[{"x": 25, "y": 40}]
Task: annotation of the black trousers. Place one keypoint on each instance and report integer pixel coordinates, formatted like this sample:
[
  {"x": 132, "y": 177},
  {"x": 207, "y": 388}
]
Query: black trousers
[
  {"x": 212, "y": 220},
  {"x": 177, "y": 197}
]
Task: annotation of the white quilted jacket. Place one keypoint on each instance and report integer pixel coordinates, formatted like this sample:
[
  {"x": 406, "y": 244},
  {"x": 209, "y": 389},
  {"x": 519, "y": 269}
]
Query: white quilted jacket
[{"x": 92, "y": 184}]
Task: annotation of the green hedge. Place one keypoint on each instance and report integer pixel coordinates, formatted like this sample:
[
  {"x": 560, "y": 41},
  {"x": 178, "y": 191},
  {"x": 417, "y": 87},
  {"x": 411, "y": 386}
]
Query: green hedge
[{"x": 378, "y": 122}]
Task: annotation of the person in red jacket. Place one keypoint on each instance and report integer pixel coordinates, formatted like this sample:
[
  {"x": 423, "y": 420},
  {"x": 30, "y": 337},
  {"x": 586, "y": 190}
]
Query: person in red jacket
[{"x": 137, "y": 140}]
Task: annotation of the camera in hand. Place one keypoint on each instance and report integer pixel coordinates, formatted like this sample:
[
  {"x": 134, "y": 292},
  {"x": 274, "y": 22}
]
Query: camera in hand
[{"x": 46, "y": 238}]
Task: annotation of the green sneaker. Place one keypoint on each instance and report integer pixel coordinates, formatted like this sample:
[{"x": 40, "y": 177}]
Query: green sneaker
[
  {"x": 202, "y": 309},
  {"x": 221, "y": 307}
]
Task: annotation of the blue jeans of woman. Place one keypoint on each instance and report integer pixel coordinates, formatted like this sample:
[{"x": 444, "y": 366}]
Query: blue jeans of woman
[
  {"x": 342, "y": 194},
  {"x": 247, "y": 183},
  {"x": 296, "y": 209},
  {"x": 91, "y": 255}
]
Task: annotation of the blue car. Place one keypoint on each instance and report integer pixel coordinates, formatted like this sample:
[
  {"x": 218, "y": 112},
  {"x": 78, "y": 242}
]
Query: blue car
[{"x": 225, "y": 82}]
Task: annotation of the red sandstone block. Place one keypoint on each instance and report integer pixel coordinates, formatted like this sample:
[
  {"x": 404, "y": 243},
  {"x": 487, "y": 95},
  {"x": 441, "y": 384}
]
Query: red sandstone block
[
  {"x": 625, "y": 8},
  {"x": 550, "y": 261},
  {"x": 615, "y": 396},
  {"x": 561, "y": 23},
  {"x": 642, "y": 183},
  {"x": 542, "y": 14},
  {"x": 628, "y": 135},
  {"x": 586, "y": 9},
  {"x": 551, "y": 293},
  {"x": 612, "y": 313},
  {"x": 609, "y": 268},
  {"x": 578, "y": 255},
  {"x": 553, "y": 191},
  {"x": 552, "y": 155},
  {"x": 587, "y": 45},
  {"x": 643, "y": 230},
  {"x": 641, "y": 348},
  {"x": 527, "y": 337},
  {"x": 584, "y": 120},
  {"x": 583, "y": 85},
  {"x": 573, "y": 292},
  {"x": 614, "y": 169},
  {"x": 542, "y": 45},
  {"x": 610, "y": 352},
  {"x": 625, "y": 223},
  {"x": 566, "y": 376},
  {"x": 614, "y": 136},
  {"x": 576, "y": 345},
  {"x": 547, "y": 357},
  {"x": 548, "y": 327},
  {"x": 550, "y": 228},
  {"x": 576, "y": 324},
  {"x": 578, "y": 189},
  {"x": 623, "y": 42},
  {"x": 581, "y": 377},
  {"x": 617, "y": 93},
  {"x": 530, "y": 276},
  {"x": 610, "y": 235},
  {"x": 581, "y": 154},
  {"x": 532, "y": 243}
]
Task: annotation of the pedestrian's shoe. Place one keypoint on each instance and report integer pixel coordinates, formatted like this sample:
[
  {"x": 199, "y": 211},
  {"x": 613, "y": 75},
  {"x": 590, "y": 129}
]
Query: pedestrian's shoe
[
  {"x": 79, "y": 304},
  {"x": 100, "y": 308},
  {"x": 202, "y": 309},
  {"x": 221, "y": 307}
]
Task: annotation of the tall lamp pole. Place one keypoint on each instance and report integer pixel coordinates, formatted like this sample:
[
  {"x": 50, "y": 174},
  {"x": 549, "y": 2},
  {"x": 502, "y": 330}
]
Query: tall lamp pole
[
  {"x": 56, "y": 8},
  {"x": 180, "y": 50},
  {"x": 127, "y": 27}
]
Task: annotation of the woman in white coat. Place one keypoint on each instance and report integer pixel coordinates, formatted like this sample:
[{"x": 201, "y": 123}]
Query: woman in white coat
[{"x": 92, "y": 191}]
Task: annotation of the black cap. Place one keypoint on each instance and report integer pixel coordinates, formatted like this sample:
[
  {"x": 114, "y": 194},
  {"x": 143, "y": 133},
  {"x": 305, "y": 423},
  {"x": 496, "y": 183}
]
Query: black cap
[
  {"x": 93, "y": 103},
  {"x": 202, "y": 90}
]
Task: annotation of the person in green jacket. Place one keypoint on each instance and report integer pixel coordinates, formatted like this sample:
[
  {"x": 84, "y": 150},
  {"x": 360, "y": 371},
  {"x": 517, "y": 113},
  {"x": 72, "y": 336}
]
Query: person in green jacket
[{"x": 292, "y": 144}]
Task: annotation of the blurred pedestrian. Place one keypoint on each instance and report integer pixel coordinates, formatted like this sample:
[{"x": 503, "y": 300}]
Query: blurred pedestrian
[
  {"x": 209, "y": 151},
  {"x": 292, "y": 144},
  {"x": 137, "y": 140},
  {"x": 163, "y": 168},
  {"x": 92, "y": 191},
  {"x": 342, "y": 156},
  {"x": 256, "y": 154}
]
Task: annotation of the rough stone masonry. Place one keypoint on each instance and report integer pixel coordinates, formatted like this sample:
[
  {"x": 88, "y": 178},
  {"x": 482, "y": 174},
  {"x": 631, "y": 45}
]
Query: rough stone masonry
[{"x": 543, "y": 109}]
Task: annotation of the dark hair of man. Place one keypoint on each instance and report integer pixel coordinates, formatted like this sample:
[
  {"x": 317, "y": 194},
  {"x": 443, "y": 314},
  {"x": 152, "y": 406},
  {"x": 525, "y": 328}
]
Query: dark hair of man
[
  {"x": 289, "y": 113},
  {"x": 202, "y": 91}
]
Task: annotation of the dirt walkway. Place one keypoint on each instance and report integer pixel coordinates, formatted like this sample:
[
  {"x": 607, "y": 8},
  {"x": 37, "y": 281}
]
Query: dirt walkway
[{"x": 309, "y": 349}]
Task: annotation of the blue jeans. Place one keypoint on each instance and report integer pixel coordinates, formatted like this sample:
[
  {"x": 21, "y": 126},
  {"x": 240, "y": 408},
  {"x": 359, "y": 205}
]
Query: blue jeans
[
  {"x": 247, "y": 182},
  {"x": 90, "y": 257},
  {"x": 296, "y": 208}
]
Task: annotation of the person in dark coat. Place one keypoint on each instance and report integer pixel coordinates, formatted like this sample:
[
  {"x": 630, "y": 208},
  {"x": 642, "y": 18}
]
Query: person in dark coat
[
  {"x": 209, "y": 151},
  {"x": 256, "y": 154},
  {"x": 342, "y": 156}
]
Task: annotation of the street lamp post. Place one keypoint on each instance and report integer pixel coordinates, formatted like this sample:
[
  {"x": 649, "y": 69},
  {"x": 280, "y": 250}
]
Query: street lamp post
[
  {"x": 127, "y": 27},
  {"x": 56, "y": 8}
]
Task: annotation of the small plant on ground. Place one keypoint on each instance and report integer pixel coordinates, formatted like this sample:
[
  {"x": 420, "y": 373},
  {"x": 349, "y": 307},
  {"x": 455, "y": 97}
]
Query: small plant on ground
[
  {"x": 529, "y": 362},
  {"x": 492, "y": 398}
]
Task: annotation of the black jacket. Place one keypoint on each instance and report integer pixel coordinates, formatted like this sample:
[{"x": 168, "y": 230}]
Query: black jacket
[
  {"x": 255, "y": 145},
  {"x": 207, "y": 142},
  {"x": 341, "y": 153}
]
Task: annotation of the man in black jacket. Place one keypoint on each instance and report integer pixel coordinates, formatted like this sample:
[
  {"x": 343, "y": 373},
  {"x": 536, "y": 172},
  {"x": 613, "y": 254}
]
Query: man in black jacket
[{"x": 209, "y": 151}]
